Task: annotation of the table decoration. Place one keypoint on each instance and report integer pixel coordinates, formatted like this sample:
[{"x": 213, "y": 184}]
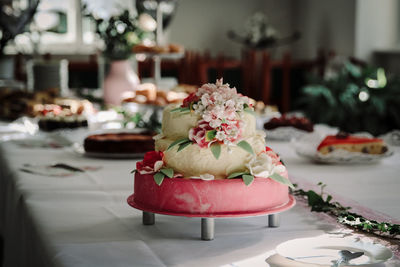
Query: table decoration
[
  {"x": 260, "y": 34},
  {"x": 119, "y": 32},
  {"x": 319, "y": 203}
]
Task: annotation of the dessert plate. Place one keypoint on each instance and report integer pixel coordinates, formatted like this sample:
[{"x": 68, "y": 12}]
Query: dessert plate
[
  {"x": 306, "y": 147},
  {"x": 324, "y": 251},
  {"x": 78, "y": 149},
  {"x": 285, "y": 133}
]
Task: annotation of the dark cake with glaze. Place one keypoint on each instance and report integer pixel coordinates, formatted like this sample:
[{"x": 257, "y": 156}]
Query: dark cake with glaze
[
  {"x": 123, "y": 143},
  {"x": 300, "y": 123}
]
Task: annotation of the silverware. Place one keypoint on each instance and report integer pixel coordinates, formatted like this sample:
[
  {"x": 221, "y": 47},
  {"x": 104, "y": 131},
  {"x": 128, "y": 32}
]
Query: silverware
[
  {"x": 345, "y": 257},
  {"x": 67, "y": 167},
  {"x": 56, "y": 165}
]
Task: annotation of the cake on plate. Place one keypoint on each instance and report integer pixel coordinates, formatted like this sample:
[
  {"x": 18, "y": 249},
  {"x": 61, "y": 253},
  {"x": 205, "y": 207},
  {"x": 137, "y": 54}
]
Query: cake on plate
[
  {"x": 352, "y": 143},
  {"x": 119, "y": 143},
  {"x": 210, "y": 160},
  {"x": 300, "y": 123},
  {"x": 53, "y": 117}
]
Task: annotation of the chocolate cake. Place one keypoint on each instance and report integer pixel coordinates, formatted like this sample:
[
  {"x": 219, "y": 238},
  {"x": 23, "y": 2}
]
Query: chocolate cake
[
  {"x": 300, "y": 123},
  {"x": 119, "y": 143}
]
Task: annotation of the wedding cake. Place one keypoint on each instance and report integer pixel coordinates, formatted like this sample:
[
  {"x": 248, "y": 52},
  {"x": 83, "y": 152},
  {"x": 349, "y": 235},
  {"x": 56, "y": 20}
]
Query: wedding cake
[{"x": 210, "y": 160}]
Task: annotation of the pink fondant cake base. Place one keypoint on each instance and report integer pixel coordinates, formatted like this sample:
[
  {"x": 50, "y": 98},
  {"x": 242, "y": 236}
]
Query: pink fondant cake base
[{"x": 216, "y": 198}]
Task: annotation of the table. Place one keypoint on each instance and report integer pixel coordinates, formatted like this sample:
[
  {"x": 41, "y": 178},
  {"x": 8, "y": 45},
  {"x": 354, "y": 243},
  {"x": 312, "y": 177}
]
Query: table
[{"x": 84, "y": 220}]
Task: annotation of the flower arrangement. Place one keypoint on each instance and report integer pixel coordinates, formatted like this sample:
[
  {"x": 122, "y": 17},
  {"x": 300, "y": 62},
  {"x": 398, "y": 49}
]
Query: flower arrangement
[
  {"x": 220, "y": 108},
  {"x": 259, "y": 33},
  {"x": 120, "y": 33},
  {"x": 14, "y": 20},
  {"x": 322, "y": 202}
]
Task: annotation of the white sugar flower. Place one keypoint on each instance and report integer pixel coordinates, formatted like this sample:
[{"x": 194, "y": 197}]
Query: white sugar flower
[
  {"x": 205, "y": 177},
  {"x": 263, "y": 166},
  {"x": 220, "y": 136}
]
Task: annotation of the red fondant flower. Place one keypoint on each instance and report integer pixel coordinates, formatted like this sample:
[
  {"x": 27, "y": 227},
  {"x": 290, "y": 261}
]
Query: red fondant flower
[
  {"x": 198, "y": 134},
  {"x": 189, "y": 99},
  {"x": 275, "y": 158},
  {"x": 152, "y": 162}
]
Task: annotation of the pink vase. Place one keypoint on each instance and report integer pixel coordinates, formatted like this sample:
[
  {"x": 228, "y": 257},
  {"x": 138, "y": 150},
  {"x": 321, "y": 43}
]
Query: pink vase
[{"x": 120, "y": 80}]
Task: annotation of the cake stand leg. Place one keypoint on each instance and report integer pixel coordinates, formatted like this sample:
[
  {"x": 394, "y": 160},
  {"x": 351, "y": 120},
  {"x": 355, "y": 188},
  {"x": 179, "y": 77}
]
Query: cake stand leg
[
  {"x": 148, "y": 218},
  {"x": 207, "y": 228},
  {"x": 273, "y": 220}
]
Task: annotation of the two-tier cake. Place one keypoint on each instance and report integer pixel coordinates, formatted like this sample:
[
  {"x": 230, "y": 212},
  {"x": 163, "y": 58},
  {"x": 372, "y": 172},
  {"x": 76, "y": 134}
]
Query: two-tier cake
[{"x": 210, "y": 161}]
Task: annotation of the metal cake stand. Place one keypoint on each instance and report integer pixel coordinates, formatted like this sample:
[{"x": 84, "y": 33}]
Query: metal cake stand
[{"x": 207, "y": 220}]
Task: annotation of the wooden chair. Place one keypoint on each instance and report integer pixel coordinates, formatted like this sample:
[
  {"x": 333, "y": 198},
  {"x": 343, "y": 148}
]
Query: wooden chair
[
  {"x": 286, "y": 65},
  {"x": 267, "y": 69},
  {"x": 222, "y": 65}
]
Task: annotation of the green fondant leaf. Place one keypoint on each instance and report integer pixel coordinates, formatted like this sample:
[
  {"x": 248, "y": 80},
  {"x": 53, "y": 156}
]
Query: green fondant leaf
[
  {"x": 248, "y": 179},
  {"x": 210, "y": 135},
  {"x": 216, "y": 150},
  {"x": 134, "y": 170},
  {"x": 178, "y": 142},
  {"x": 236, "y": 174},
  {"x": 159, "y": 178},
  {"x": 185, "y": 110},
  {"x": 183, "y": 145},
  {"x": 250, "y": 111},
  {"x": 169, "y": 172},
  {"x": 180, "y": 109},
  {"x": 246, "y": 146},
  {"x": 281, "y": 179}
]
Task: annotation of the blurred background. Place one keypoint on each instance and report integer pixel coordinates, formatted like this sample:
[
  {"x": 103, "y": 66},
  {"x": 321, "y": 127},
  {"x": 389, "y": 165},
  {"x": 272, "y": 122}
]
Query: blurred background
[{"x": 336, "y": 61}]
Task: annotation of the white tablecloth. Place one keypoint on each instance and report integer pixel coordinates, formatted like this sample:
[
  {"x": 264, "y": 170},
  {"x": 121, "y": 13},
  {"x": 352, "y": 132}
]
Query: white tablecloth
[{"x": 84, "y": 220}]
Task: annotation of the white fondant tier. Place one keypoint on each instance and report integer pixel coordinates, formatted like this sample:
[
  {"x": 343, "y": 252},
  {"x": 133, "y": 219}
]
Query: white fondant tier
[
  {"x": 194, "y": 160},
  {"x": 176, "y": 125}
]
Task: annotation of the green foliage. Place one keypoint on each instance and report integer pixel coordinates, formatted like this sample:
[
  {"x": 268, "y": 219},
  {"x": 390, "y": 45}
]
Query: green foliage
[
  {"x": 210, "y": 135},
  {"x": 152, "y": 124},
  {"x": 159, "y": 178},
  {"x": 356, "y": 99},
  {"x": 216, "y": 149},
  {"x": 169, "y": 172},
  {"x": 182, "y": 143},
  {"x": 183, "y": 110},
  {"x": 248, "y": 179},
  {"x": 246, "y": 146},
  {"x": 353, "y": 220},
  {"x": 237, "y": 174},
  {"x": 280, "y": 179}
]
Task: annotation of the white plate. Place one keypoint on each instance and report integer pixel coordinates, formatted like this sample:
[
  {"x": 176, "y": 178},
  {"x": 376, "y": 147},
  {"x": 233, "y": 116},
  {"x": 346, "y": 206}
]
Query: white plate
[
  {"x": 78, "y": 149},
  {"x": 285, "y": 133},
  {"x": 322, "y": 250},
  {"x": 307, "y": 145}
]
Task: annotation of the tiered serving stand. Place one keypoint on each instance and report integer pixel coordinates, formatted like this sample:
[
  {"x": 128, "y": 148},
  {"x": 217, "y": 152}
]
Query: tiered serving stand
[
  {"x": 207, "y": 220},
  {"x": 158, "y": 57}
]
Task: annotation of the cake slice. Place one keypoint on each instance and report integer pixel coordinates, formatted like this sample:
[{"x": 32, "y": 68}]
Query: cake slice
[{"x": 352, "y": 143}]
